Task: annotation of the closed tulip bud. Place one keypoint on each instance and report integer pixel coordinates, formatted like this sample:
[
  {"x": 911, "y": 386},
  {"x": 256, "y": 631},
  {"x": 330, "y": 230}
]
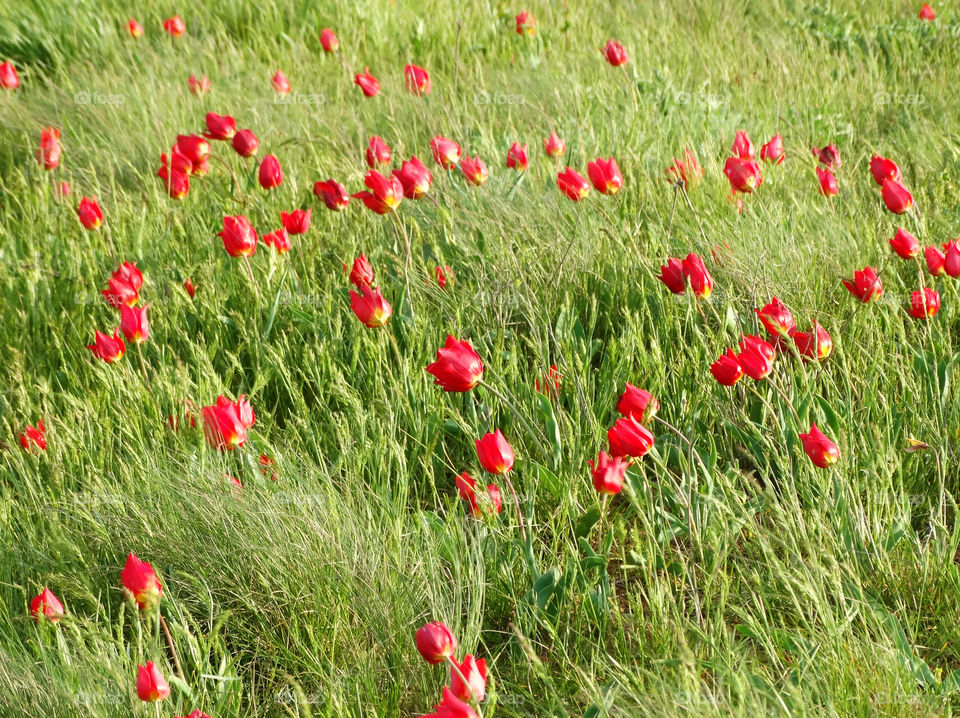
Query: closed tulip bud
[
  {"x": 446, "y": 153},
  {"x": 608, "y": 473},
  {"x": 517, "y": 157},
  {"x": 744, "y": 175},
  {"x": 175, "y": 26},
  {"x": 193, "y": 147},
  {"x": 884, "y": 169},
  {"x": 951, "y": 258},
  {"x": 245, "y": 143},
  {"x": 474, "y": 170},
  {"x": 238, "y": 235},
  {"x": 526, "y": 24},
  {"x": 927, "y": 12},
  {"x": 199, "y": 86},
  {"x": 701, "y": 283},
  {"x": 47, "y": 605},
  {"x": 385, "y": 195},
  {"x": 452, "y": 707},
  {"x": 89, "y": 213},
  {"x": 109, "y": 349},
  {"x": 756, "y": 357},
  {"x": 270, "y": 175},
  {"x": 50, "y": 149},
  {"x": 34, "y": 436},
  {"x": 495, "y": 454},
  {"x": 814, "y": 345},
  {"x": 829, "y": 156},
  {"x": 371, "y": 308},
  {"x": 63, "y": 189},
  {"x": 9, "y": 79},
  {"x": 435, "y": 642},
  {"x": 220, "y": 127},
  {"x": 279, "y": 240},
  {"x": 905, "y": 245},
  {"x": 134, "y": 28},
  {"x": 414, "y": 178},
  {"x": 615, "y": 54},
  {"x": 727, "y": 370},
  {"x": 777, "y": 319},
  {"x": 828, "y": 183},
  {"x": 773, "y": 151},
  {"x": 151, "y": 686},
  {"x": 458, "y": 367},
  {"x": 671, "y": 274},
  {"x": 687, "y": 171},
  {"x": 638, "y": 403},
  {"x": 361, "y": 275},
  {"x": 417, "y": 80},
  {"x": 742, "y": 146},
  {"x": 822, "y": 452},
  {"x": 441, "y": 274},
  {"x": 896, "y": 197},
  {"x": 924, "y": 304},
  {"x": 573, "y": 185},
  {"x": 176, "y": 183},
  {"x": 628, "y": 437},
  {"x": 488, "y": 503},
  {"x": 605, "y": 175},
  {"x": 140, "y": 582},
  {"x": 328, "y": 40},
  {"x": 935, "y": 261},
  {"x": 475, "y": 673},
  {"x": 281, "y": 84},
  {"x": 367, "y": 82},
  {"x": 866, "y": 285},
  {"x": 189, "y": 287},
  {"x": 554, "y": 146},
  {"x": 378, "y": 153},
  {"x": 296, "y": 222},
  {"x": 134, "y": 324},
  {"x": 333, "y": 194}
]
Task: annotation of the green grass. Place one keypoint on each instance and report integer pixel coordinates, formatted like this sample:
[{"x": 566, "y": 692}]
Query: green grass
[{"x": 730, "y": 579}]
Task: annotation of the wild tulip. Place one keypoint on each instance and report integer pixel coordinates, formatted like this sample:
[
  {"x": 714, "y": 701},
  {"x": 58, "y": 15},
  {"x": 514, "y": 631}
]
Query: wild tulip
[
  {"x": 417, "y": 80},
  {"x": 896, "y": 197},
  {"x": 328, "y": 40},
  {"x": 772, "y": 152},
  {"x": 441, "y": 274},
  {"x": 777, "y": 319},
  {"x": 951, "y": 258},
  {"x": 9, "y": 79},
  {"x": 742, "y": 146},
  {"x": 189, "y": 287},
  {"x": 225, "y": 423},
  {"x": 628, "y": 437},
  {"x": 195, "y": 714},
  {"x": 905, "y": 245},
  {"x": 270, "y": 175},
  {"x": 452, "y": 707},
  {"x": 367, "y": 83},
  {"x": 884, "y": 169},
  {"x": 415, "y": 178},
  {"x": 687, "y": 171},
  {"x": 814, "y": 345},
  {"x": 609, "y": 473},
  {"x": 554, "y": 146},
  {"x": 175, "y": 26},
  {"x": 727, "y": 369},
  {"x": 638, "y": 403},
  {"x": 936, "y": 261},
  {"x": 89, "y": 213},
  {"x": 109, "y": 349},
  {"x": 385, "y": 195},
  {"x": 573, "y": 185},
  {"x": 281, "y": 84},
  {"x": 361, "y": 275},
  {"x": 245, "y": 143},
  {"x": 474, "y": 170},
  {"x": 756, "y": 357},
  {"x": 927, "y": 12},
  {"x": 475, "y": 673},
  {"x": 34, "y": 436},
  {"x": 220, "y": 127},
  {"x": 829, "y": 156},
  {"x": 296, "y": 222},
  {"x": 140, "y": 582},
  {"x": 279, "y": 240},
  {"x": 924, "y": 304},
  {"x": 866, "y": 285},
  {"x": 47, "y": 605},
  {"x": 490, "y": 503},
  {"x": 701, "y": 283},
  {"x": 178, "y": 163},
  {"x": 120, "y": 292},
  {"x": 151, "y": 685},
  {"x": 371, "y": 308},
  {"x": 821, "y": 450},
  {"x": 828, "y": 183},
  {"x": 446, "y": 153},
  {"x": 378, "y": 152},
  {"x": 605, "y": 175},
  {"x": 134, "y": 324},
  {"x": 238, "y": 235},
  {"x": 50, "y": 149},
  {"x": 333, "y": 194},
  {"x": 495, "y": 454},
  {"x": 671, "y": 274},
  {"x": 128, "y": 274},
  {"x": 458, "y": 367},
  {"x": 615, "y": 54},
  {"x": 63, "y": 189},
  {"x": 551, "y": 383},
  {"x": 526, "y": 24},
  {"x": 198, "y": 86},
  {"x": 517, "y": 157},
  {"x": 177, "y": 184},
  {"x": 743, "y": 175},
  {"x": 435, "y": 642}
]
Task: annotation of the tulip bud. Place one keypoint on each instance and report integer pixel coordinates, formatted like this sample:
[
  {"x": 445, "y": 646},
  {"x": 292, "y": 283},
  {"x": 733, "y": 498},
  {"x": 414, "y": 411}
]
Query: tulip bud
[
  {"x": 333, "y": 194},
  {"x": 742, "y": 146},
  {"x": 140, "y": 582},
  {"x": 133, "y": 323},
  {"x": 435, "y": 642},
  {"x": 829, "y": 156},
  {"x": 822, "y": 452},
  {"x": 927, "y": 12},
  {"x": 328, "y": 40},
  {"x": 608, "y": 473},
  {"x": 828, "y": 183},
  {"x": 951, "y": 258},
  {"x": 361, "y": 275},
  {"x": 378, "y": 153},
  {"x": 417, "y": 80},
  {"x": 9, "y": 79},
  {"x": 50, "y": 150},
  {"x": 270, "y": 175},
  {"x": 554, "y": 146},
  {"x": 727, "y": 370},
  {"x": 474, "y": 170},
  {"x": 239, "y": 237},
  {"x": 777, "y": 319},
  {"x": 897, "y": 198},
  {"x": 446, "y": 153},
  {"x": 175, "y": 26},
  {"x": 151, "y": 686},
  {"x": 526, "y": 24},
  {"x": 245, "y": 143},
  {"x": 109, "y": 349},
  {"x": 281, "y": 84},
  {"x": 687, "y": 172},
  {"x": 370, "y": 307},
  {"x": 905, "y": 245},
  {"x": 89, "y": 213},
  {"x": 756, "y": 357},
  {"x": 414, "y": 178},
  {"x": 743, "y": 175},
  {"x": 475, "y": 673},
  {"x": 34, "y": 437},
  {"x": 386, "y": 193},
  {"x": 199, "y": 86},
  {"x": 220, "y": 127},
  {"x": 701, "y": 283},
  {"x": 814, "y": 345},
  {"x": 605, "y": 176},
  {"x": 517, "y": 157},
  {"x": 279, "y": 240},
  {"x": 458, "y": 367},
  {"x": 368, "y": 83},
  {"x": 638, "y": 403},
  {"x": 773, "y": 151},
  {"x": 866, "y": 285},
  {"x": 924, "y": 304},
  {"x": 615, "y": 54},
  {"x": 495, "y": 454},
  {"x": 47, "y": 605},
  {"x": 572, "y": 185},
  {"x": 884, "y": 169},
  {"x": 671, "y": 274},
  {"x": 628, "y": 437}
]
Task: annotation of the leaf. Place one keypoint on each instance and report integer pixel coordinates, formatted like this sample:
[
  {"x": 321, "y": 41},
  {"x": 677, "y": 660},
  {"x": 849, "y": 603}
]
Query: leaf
[
  {"x": 587, "y": 522},
  {"x": 552, "y": 427}
]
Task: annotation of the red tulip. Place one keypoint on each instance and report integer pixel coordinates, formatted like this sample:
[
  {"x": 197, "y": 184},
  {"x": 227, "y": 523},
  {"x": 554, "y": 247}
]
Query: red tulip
[
  {"x": 178, "y": 163},
  {"x": 672, "y": 275},
  {"x": 415, "y": 178},
  {"x": 884, "y": 169},
  {"x": 47, "y": 605},
  {"x": 605, "y": 175},
  {"x": 446, "y": 153},
  {"x": 828, "y": 183},
  {"x": 475, "y": 672},
  {"x": 936, "y": 261},
  {"x": 458, "y": 367},
  {"x": 280, "y": 83},
  {"x": 441, "y": 274},
  {"x": 951, "y": 258},
  {"x": 927, "y": 13},
  {"x": 417, "y": 80},
  {"x": 124, "y": 286},
  {"x": 198, "y": 86},
  {"x": 225, "y": 423},
  {"x": 526, "y": 24},
  {"x": 245, "y": 143},
  {"x": 688, "y": 172},
  {"x": 573, "y": 185},
  {"x": 378, "y": 153},
  {"x": 777, "y": 319},
  {"x": 296, "y": 222},
  {"x": 742, "y": 146},
  {"x": 220, "y": 127},
  {"x": 866, "y": 285},
  {"x": 628, "y": 437},
  {"x": 727, "y": 369},
  {"x": 9, "y": 79},
  {"x": 195, "y": 714},
  {"x": 333, "y": 194},
  {"x": 696, "y": 273},
  {"x": 551, "y": 383},
  {"x": 814, "y": 345},
  {"x": 270, "y": 175},
  {"x": 175, "y": 26},
  {"x": 134, "y": 324},
  {"x": 189, "y": 287},
  {"x": 452, "y": 707},
  {"x": 488, "y": 503},
  {"x": 89, "y": 213},
  {"x": 279, "y": 240},
  {"x": 554, "y": 146},
  {"x": 474, "y": 170},
  {"x": 108, "y": 348},
  {"x": 176, "y": 183},
  {"x": 924, "y": 304},
  {"x": 615, "y": 54},
  {"x": 36, "y": 436},
  {"x": 50, "y": 150},
  {"x": 517, "y": 157},
  {"x": 822, "y": 452},
  {"x": 386, "y": 194},
  {"x": 905, "y": 244},
  {"x": 328, "y": 40},
  {"x": 238, "y": 235},
  {"x": 773, "y": 151},
  {"x": 361, "y": 275},
  {"x": 435, "y": 642},
  {"x": 756, "y": 357},
  {"x": 494, "y": 453},
  {"x": 63, "y": 190},
  {"x": 193, "y": 147},
  {"x": 829, "y": 156},
  {"x": 368, "y": 83},
  {"x": 140, "y": 582},
  {"x": 608, "y": 473},
  {"x": 638, "y": 403},
  {"x": 151, "y": 686},
  {"x": 370, "y": 307},
  {"x": 744, "y": 175}
]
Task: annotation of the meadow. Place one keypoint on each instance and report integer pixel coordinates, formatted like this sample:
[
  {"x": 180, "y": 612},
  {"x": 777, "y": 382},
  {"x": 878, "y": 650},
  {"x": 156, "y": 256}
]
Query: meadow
[{"x": 714, "y": 560}]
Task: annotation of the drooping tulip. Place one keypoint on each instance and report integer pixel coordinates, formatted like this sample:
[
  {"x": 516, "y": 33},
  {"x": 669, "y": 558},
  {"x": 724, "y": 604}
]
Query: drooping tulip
[
  {"x": 526, "y": 24},
  {"x": 605, "y": 175},
  {"x": 328, "y": 40},
  {"x": 140, "y": 582},
  {"x": 279, "y": 240},
  {"x": 385, "y": 195},
  {"x": 554, "y": 146},
  {"x": 828, "y": 183},
  {"x": 884, "y": 169},
  {"x": 905, "y": 244},
  {"x": 47, "y": 605},
  {"x": 50, "y": 149},
  {"x": 333, "y": 194},
  {"x": 573, "y": 185},
  {"x": 701, "y": 283},
  {"x": 198, "y": 86},
  {"x": 89, "y": 213},
  {"x": 866, "y": 285},
  {"x": 628, "y": 437},
  {"x": 175, "y": 26},
  {"x": 238, "y": 235},
  {"x": 245, "y": 143},
  {"x": 109, "y": 349},
  {"x": 829, "y": 156},
  {"x": 435, "y": 642},
  {"x": 816, "y": 344},
  {"x": 638, "y": 403},
  {"x": 777, "y": 319},
  {"x": 743, "y": 175},
  {"x": 378, "y": 152},
  {"x": 371, "y": 308},
  {"x": 134, "y": 324},
  {"x": 281, "y": 84},
  {"x": 495, "y": 454},
  {"x": 220, "y": 127},
  {"x": 686, "y": 171},
  {"x": 773, "y": 152},
  {"x": 270, "y": 175},
  {"x": 361, "y": 274},
  {"x": 821, "y": 450},
  {"x": 474, "y": 170},
  {"x": 615, "y": 54},
  {"x": 415, "y": 178},
  {"x": 924, "y": 304},
  {"x": 34, "y": 436},
  {"x": 742, "y": 146},
  {"x": 296, "y": 222},
  {"x": 458, "y": 368},
  {"x": 727, "y": 370},
  {"x": 417, "y": 80},
  {"x": 896, "y": 197},
  {"x": 151, "y": 685},
  {"x": 609, "y": 473},
  {"x": 475, "y": 673},
  {"x": 756, "y": 357},
  {"x": 446, "y": 153},
  {"x": 517, "y": 157},
  {"x": 367, "y": 83},
  {"x": 671, "y": 274}
]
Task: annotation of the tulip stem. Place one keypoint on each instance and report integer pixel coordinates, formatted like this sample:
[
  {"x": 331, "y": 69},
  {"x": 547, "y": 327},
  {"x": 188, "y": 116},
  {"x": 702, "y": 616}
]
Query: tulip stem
[
  {"x": 236, "y": 182},
  {"x": 143, "y": 367},
  {"x": 537, "y": 440},
  {"x": 673, "y": 208},
  {"x": 173, "y": 650},
  {"x": 516, "y": 503},
  {"x": 463, "y": 678},
  {"x": 400, "y": 229},
  {"x": 253, "y": 282},
  {"x": 696, "y": 216}
]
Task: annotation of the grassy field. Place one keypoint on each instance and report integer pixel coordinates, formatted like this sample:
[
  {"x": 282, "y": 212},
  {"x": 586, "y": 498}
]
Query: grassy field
[{"x": 730, "y": 577}]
